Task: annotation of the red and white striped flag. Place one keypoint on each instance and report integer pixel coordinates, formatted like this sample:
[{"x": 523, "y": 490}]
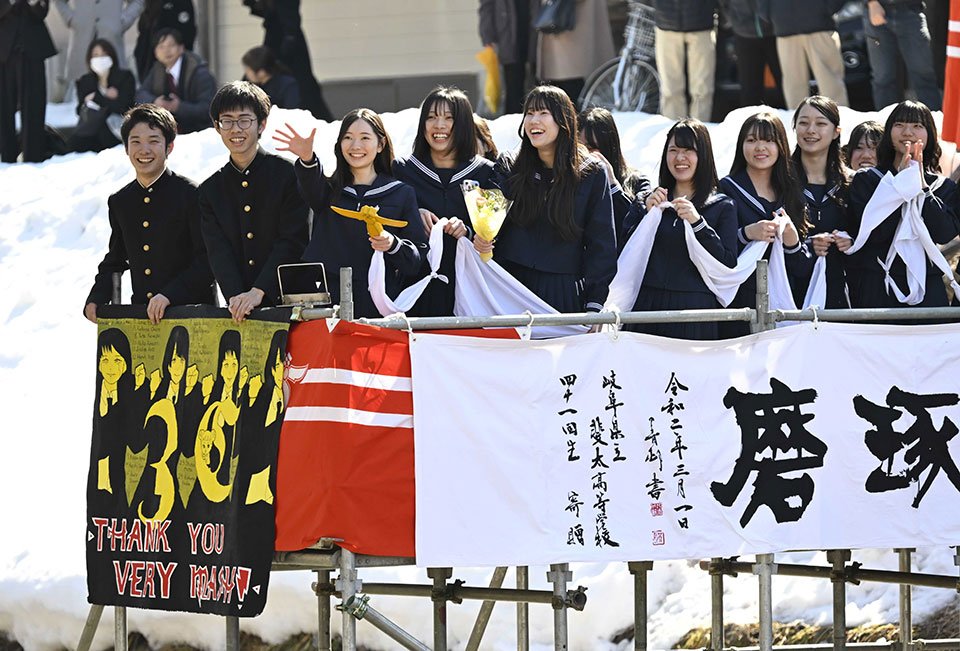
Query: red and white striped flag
[
  {"x": 950, "y": 130},
  {"x": 345, "y": 467},
  {"x": 345, "y": 464}
]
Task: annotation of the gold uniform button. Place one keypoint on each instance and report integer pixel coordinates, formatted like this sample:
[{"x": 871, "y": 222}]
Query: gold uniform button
[
  {"x": 245, "y": 184},
  {"x": 146, "y": 200},
  {"x": 249, "y": 236},
  {"x": 250, "y": 262},
  {"x": 147, "y": 272},
  {"x": 146, "y": 247},
  {"x": 146, "y": 224},
  {"x": 246, "y": 208},
  {"x": 149, "y": 294}
]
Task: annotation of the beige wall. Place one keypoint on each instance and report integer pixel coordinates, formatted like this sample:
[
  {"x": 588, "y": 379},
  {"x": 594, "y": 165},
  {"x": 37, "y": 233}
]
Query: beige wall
[{"x": 365, "y": 39}]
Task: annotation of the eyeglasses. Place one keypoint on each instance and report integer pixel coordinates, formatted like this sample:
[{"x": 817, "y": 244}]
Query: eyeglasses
[{"x": 227, "y": 124}]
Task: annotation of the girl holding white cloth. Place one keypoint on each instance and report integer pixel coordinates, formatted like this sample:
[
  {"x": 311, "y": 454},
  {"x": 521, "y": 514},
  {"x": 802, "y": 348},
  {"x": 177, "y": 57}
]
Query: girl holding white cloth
[
  {"x": 687, "y": 193},
  {"x": 906, "y": 179}
]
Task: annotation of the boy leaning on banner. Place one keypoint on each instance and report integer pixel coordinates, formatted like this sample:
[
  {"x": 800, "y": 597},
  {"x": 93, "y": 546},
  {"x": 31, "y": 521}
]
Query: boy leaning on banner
[
  {"x": 252, "y": 216},
  {"x": 154, "y": 224}
]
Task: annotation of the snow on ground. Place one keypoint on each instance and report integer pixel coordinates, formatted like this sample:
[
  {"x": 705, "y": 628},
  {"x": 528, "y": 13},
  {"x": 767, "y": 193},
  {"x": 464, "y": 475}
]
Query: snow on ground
[{"x": 53, "y": 233}]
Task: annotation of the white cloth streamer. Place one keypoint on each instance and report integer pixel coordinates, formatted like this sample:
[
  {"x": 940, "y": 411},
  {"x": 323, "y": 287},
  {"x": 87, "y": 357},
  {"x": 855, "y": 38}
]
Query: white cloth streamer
[
  {"x": 911, "y": 241},
  {"x": 377, "y": 276},
  {"x": 720, "y": 279},
  {"x": 487, "y": 289}
]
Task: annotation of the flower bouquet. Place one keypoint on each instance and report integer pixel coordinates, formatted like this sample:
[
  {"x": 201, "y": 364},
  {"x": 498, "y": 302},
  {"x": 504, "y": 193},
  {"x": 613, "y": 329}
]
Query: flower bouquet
[{"x": 487, "y": 209}]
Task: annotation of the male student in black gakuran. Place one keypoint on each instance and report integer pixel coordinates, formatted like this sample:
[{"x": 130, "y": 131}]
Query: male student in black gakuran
[
  {"x": 154, "y": 225},
  {"x": 252, "y": 216}
]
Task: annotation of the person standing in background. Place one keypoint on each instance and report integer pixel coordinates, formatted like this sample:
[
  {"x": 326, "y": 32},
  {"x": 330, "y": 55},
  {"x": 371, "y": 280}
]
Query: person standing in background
[
  {"x": 505, "y": 25},
  {"x": 283, "y": 34},
  {"x": 686, "y": 51},
  {"x": 807, "y": 40},
  {"x": 756, "y": 49},
  {"x": 180, "y": 82},
  {"x": 106, "y": 19},
  {"x": 25, "y": 44},
  {"x": 895, "y": 29},
  {"x": 262, "y": 68},
  {"x": 157, "y": 15},
  {"x": 566, "y": 59}
]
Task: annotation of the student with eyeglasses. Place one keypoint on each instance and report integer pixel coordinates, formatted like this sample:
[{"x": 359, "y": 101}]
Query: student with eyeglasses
[{"x": 252, "y": 216}]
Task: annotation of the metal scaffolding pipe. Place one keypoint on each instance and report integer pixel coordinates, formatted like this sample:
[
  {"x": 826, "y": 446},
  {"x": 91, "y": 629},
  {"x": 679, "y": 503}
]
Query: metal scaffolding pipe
[
  {"x": 639, "y": 571},
  {"x": 90, "y": 627},
  {"x": 347, "y": 585},
  {"x": 576, "y": 599},
  {"x": 838, "y": 558},
  {"x": 852, "y": 573},
  {"x": 559, "y": 575},
  {"x": 486, "y": 609},
  {"x": 346, "y": 293},
  {"x": 523, "y": 610},
  {"x": 868, "y": 314},
  {"x": 233, "y": 633},
  {"x": 764, "y": 570},
  {"x": 358, "y": 606},
  {"x": 716, "y": 609},
  {"x": 323, "y": 610},
  {"x": 439, "y": 597},
  {"x": 906, "y": 615},
  {"x": 120, "y": 628}
]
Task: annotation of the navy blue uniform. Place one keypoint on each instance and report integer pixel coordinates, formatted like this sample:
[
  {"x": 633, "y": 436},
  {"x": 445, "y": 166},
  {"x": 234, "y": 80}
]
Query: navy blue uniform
[
  {"x": 671, "y": 280},
  {"x": 752, "y": 208},
  {"x": 635, "y": 186},
  {"x": 438, "y": 190},
  {"x": 828, "y": 212},
  {"x": 865, "y": 277},
  {"x": 339, "y": 241},
  {"x": 252, "y": 221},
  {"x": 572, "y": 276},
  {"x": 155, "y": 233}
]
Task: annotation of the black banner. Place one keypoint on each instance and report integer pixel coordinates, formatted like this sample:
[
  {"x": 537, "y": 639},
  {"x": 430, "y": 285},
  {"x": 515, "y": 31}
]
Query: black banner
[{"x": 180, "y": 492}]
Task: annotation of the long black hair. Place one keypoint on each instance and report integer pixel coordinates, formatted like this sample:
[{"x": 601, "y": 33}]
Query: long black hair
[
  {"x": 910, "y": 111},
  {"x": 599, "y": 131},
  {"x": 692, "y": 134},
  {"x": 343, "y": 174},
  {"x": 278, "y": 344},
  {"x": 177, "y": 342},
  {"x": 837, "y": 174},
  {"x": 528, "y": 203},
  {"x": 767, "y": 126},
  {"x": 229, "y": 343},
  {"x": 464, "y": 136}
]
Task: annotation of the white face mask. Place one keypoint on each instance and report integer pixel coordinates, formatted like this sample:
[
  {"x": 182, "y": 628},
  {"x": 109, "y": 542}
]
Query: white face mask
[{"x": 101, "y": 65}]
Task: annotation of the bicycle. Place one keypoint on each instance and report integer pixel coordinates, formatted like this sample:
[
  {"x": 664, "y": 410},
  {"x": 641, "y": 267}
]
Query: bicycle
[{"x": 629, "y": 82}]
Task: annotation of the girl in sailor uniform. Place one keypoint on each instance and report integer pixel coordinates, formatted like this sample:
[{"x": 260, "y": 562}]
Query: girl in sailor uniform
[
  {"x": 598, "y": 133},
  {"x": 558, "y": 238},
  {"x": 444, "y": 155},
  {"x": 688, "y": 179},
  {"x": 818, "y": 161},
  {"x": 909, "y": 135},
  {"x": 762, "y": 181},
  {"x": 362, "y": 178}
]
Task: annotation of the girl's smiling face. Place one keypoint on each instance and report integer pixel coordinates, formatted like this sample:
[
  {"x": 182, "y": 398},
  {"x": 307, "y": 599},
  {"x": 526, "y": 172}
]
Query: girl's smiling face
[{"x": 360, "y": 145}]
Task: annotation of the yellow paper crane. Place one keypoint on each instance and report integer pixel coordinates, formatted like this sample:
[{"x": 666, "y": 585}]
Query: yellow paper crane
[{"x": 370, "y": 215}]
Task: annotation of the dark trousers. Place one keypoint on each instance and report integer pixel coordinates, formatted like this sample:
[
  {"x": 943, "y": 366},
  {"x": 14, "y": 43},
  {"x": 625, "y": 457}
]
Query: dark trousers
[
  {"x": 23, "y": 86},
  {"x": 572, "y": 87},
  {"x": 753, "y": 56},
  {"x": 906, "y": 32},
  {"x": 514, "y": 81}
]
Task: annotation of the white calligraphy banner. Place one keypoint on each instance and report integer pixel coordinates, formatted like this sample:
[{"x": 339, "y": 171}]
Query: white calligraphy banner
[{"x": 632, "y": 447}]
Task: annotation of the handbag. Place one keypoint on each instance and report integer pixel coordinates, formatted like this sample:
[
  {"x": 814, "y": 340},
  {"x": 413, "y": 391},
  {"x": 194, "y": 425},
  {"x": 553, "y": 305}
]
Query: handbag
[{"x": 555, "y": 16}]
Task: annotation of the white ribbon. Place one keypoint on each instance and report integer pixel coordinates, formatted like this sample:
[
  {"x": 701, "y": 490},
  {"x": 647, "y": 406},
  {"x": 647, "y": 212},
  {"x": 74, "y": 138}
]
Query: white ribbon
[
  {"x": 720, "y": 279},
  {"x": 487, "y": 289},
  {"x": 377, "y": 276},
  {"x": 911, "y": 241}
]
